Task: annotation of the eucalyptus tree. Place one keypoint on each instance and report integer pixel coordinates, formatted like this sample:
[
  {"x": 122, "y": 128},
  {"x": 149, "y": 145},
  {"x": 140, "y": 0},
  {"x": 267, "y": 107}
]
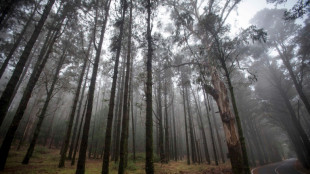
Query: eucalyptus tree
[{"x": 207, "y": 27}]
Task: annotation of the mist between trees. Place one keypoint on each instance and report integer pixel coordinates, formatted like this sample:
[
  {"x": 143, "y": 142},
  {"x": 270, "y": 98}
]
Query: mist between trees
[{"x": 154, "y": 82}]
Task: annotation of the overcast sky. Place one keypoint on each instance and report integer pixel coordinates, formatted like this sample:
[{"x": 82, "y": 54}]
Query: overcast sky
[{"x": 248, "y": 8}]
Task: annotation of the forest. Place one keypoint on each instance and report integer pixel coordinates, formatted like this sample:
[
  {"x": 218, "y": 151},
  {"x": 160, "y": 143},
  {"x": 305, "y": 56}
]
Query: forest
[{"x": 155, "y": 86}]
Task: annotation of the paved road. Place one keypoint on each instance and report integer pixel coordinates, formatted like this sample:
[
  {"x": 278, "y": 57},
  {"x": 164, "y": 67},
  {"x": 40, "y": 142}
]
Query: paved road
[{"x": 283, "y": 167}]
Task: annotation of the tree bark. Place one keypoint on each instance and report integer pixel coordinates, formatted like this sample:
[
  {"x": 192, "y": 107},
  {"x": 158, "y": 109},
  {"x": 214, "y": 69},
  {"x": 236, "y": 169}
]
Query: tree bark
[
  {"x": 167, "y": 151},
  {"x": 204, "y": 139},
  {"x": 79, "y": 133},
  {"x": 191, "y": 133},
  {"x": 186, "y": 132},
  {"x": 219, "y": 93},
  {"x": 149, "y": 166},
  {"x": 125, "y": 124}
]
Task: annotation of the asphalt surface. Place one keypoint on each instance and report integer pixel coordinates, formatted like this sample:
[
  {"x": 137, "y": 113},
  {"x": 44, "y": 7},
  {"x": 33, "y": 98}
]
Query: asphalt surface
[{"x": 283, "y": 167}]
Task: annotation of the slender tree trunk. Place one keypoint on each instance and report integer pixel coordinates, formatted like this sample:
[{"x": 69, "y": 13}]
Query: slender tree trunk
[
  {"x": 105, "y": 165},
  {"x": 132, "y": 113},
  {"x": 44, "y": 109},
  {"x": 79, "y": 133},
  {"x": 219, "y": 93},
  {"x": 9, "y": 89},
  {"x": 83, "y": 148},
  {"x": 17, "y": 42},
  {"x": 125, "y": 124},
  {"x": 191, "y": 133},
  {"x": 51, "y": 125},
  {"x": 78, "y": 115},
  {"x": 186, "y": 132},
  {"x": 72, "y": 114},
  {"x": 175, "y": 134},
  {"x": 25, "y": 131},
  {"x": 205, "y": 145},
  {"x": 167, "y": 151},
  {"x": 216, "y": 129},
  {"x": 90, "y": 150},
  {"x": 160, "y": 120},
  {"x": 6, "y": 144},
  {"x": 149, "y": 166}
]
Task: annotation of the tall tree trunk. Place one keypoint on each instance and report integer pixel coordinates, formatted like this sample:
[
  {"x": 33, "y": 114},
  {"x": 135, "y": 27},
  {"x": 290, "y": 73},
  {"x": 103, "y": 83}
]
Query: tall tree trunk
[
  {"x": 17, "y": 42},
  {"x": 90, "y": 150},
  {"x": 238, "y": 121},
  {"x": 83, "y": 148},
  {"x": 51, "y": 124},
  {"x": 118, "y": 98},
  {"x": 190, "y": 122},
  {"x": 25, "y": 131},
  {"x": 106, "y": 155},
  {"x": 186, "y": 132},
  {"x": 175, "y": 134},
  {"x": 125, "y": 124},
  {"x": 78, "y": 114},
  {"x": 133, "y": 118},
  {"x": 160, "y": 120},
  {"x": 79, "y": 132},
  {"x": 6, "y": 144},
  {"x": 44, "y": 109},
  {"x": 216, "y": 129},
  {"x": 149, "y": 166},
  {"x": 9, "y": 89},
  {"x": 167, "y": 151},
  {"x": 219, "y": 93},
  {"x": 205, "y": 145},
  {"x": 119, "y": 114},
  {"x": 72, "y": 114}
]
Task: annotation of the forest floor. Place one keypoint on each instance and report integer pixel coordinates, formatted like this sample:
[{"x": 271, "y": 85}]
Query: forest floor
[{"x": 45, "y": 161}]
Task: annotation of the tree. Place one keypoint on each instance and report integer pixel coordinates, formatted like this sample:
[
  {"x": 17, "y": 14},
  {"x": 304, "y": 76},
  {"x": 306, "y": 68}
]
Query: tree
[
  {"x": 149, "y": 166},
  {"x": 105, "y": 165},
  {"x": 126, "y": 106},
  {"x": 46, "y": 50},
  {"x": 83, "y": 147},
  {"x": 8, "y": 92},
  {"x": 44, "y": 109},
  {"x": 280, "y": 32}
]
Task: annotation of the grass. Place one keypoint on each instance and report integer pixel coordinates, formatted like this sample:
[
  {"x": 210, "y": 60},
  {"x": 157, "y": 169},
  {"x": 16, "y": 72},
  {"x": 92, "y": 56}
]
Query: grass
[{"x": 45, "y": 161}]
